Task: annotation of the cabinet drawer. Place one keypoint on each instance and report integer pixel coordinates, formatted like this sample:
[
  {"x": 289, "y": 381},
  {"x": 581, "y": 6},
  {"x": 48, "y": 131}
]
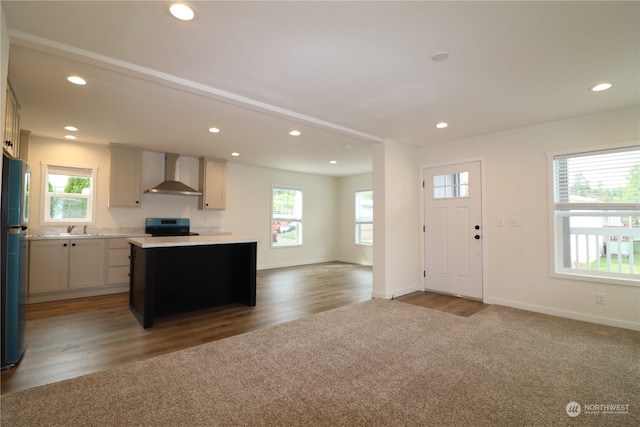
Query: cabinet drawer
[
  {"x": 118, "y": 275},
  {"x": 118, "y": 243},
  {"x": 118, "y": 257}
]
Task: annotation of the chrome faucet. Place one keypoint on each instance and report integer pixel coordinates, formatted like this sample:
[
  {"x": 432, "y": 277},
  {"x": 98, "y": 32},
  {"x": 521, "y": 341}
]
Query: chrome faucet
[{"x": 69, "y": 228}]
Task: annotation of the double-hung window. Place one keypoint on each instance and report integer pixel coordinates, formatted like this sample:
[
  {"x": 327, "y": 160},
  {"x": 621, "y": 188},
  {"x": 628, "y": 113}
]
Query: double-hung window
[
  {"x": 286, "y": 216},
  {"x": 596, "y": 215},
  {"x": 364, "y": 217},
  {"x": 69, "y": 194}
]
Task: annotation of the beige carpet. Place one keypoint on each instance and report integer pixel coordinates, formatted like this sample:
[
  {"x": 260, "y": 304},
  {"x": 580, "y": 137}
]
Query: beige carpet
[{"x": 377, "y": 363}]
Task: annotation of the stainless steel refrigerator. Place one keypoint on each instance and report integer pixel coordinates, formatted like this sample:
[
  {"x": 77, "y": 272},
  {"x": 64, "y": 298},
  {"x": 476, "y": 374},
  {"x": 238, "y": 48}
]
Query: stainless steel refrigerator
[{"x": 14, "y": 257}]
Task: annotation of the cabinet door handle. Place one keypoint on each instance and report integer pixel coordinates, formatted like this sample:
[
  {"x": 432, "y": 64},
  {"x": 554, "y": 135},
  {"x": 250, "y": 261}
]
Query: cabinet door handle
[
  {"x": 65, "y": 245},
  {"x": 137, "y": 201},
  {"x": 73, "y": 244}
]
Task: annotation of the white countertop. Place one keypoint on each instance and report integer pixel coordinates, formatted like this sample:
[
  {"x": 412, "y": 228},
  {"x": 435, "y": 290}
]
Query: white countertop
[
  {"x": 67, "y": 236},
  {"x": 174, "y": 241}
]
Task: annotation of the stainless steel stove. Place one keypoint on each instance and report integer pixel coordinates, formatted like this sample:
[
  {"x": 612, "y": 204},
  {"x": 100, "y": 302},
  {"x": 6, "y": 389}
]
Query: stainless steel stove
[{"x": 168, "y": 227}]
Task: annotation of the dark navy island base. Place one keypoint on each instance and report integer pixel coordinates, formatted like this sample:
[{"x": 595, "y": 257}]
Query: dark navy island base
[{"x": 167, "y": 280}]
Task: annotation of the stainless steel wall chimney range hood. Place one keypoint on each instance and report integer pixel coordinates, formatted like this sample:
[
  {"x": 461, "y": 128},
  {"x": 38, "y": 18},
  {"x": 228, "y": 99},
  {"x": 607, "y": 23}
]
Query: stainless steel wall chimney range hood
[{"x": 171, "y": 184}]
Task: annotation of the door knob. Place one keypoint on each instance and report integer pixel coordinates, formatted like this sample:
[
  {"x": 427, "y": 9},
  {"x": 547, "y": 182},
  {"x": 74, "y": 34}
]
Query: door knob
[{"x": 477, "y": 237}]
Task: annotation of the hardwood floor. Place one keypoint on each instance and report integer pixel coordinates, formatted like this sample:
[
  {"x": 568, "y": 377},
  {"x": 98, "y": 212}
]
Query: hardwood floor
[
  {"x": 448, "y": 303},
  {"x": 66, "y": 339}
]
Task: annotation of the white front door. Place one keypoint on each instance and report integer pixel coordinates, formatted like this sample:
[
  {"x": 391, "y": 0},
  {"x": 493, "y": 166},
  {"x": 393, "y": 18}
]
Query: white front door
[{"x": 453, "y": 229}]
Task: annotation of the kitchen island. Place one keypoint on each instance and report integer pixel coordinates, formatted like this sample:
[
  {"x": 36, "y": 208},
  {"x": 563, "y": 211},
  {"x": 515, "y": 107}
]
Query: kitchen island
[{"x": 177, "y": 274}]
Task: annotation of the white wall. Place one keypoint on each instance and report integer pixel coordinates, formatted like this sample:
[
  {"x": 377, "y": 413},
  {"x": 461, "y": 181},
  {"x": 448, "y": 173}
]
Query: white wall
[
  {"x": 248, "y": 200},
  {"x": 248, "y": 212},
  {"x": 47, "y": 150},
  {"x": 396, "y": 232},
  {"x": 348, "y": 251},
  {"x": 518, "y": 258}
]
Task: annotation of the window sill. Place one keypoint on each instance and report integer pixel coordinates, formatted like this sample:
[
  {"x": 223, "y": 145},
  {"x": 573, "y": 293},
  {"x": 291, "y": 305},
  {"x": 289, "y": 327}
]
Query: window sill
[{"x": 633, "y": 281}]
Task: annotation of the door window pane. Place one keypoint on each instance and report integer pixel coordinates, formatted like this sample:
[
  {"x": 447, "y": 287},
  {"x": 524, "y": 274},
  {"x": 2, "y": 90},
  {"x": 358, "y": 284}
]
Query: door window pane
[{"x": 451, "y": 186}]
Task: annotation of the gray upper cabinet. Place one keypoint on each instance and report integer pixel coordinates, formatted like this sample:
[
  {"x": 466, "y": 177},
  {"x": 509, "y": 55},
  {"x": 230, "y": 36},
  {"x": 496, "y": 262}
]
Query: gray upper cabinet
[
  {"x": 213, "y": 183},
  {"x": 11, "y": 135},
  {"x": 125, "y": 189}
]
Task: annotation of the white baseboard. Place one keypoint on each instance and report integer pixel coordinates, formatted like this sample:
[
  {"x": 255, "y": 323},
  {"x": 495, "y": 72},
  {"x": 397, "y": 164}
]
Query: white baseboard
[
  {"x": 396, "y": 293},
  {"x": 308, "y": 262},
  {"x": 79, "y": 293},
  {"x": 354, "y": 261},
  {"x": 566, "y": 314},
  {"x": 294, "y": 264}
]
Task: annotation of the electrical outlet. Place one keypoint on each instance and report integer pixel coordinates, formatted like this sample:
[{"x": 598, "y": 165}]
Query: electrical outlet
[
  {"x": 601, "y": 298},
  {"x": 500, "y": 221}
]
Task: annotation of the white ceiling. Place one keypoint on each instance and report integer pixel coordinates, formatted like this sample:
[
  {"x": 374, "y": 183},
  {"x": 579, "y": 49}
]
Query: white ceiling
[{"x": 343, "y": 73}]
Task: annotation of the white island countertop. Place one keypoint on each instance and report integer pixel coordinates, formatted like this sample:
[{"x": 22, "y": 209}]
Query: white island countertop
[{"x": 175, "y": 241}]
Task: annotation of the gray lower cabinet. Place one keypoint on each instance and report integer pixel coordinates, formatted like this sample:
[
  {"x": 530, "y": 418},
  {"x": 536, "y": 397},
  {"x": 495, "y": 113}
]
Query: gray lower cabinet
[
  {"x": 71, "y": 268},
  {"x": 86, "y": 263},
  {"x": 118, "y": 262},
  {"x": 48, "y": 266}
]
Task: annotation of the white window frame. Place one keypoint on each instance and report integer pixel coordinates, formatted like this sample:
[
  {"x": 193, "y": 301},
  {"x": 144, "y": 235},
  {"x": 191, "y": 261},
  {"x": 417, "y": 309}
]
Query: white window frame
[
  {"x": 359, "y": 222},
  {"x": 91, "y": 197},
  {"x": 560, "y": 211},
  {"x": 296, "y": 217}
]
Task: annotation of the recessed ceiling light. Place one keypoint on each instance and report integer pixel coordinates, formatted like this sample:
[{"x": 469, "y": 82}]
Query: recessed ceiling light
[
  {"x": 182, "y": 11},
  {"x": 440, "y": 56},
  {"x": 442, "y": 125},
  {"x": 70, "y": 136},
  {"x": 294, "y": 133},
  {"x": 333, "y": 162},
  {"x": 71, "y": 128},
  {"x": 77, "y": 80},
  {"x": 214, "y": 130},
  {"x": 600, "y": 87},
  {"x": 235, "y": 154}
]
